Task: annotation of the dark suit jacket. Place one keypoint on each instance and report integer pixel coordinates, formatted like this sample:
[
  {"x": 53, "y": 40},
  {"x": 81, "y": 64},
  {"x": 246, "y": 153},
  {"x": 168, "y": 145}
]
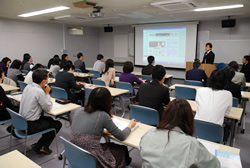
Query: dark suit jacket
[
  {"x": 63, "y": 63},
  {"x": 147, "y": 70},
  {"x": 196, "y": 74},
  {"x": 208, "y": 58},
  {"x": 153, "y": 95},
  {"x": 246, "y": 70},
  {"x": 79, "y": 64},
  {"x": 4, "y": 102},
  {"x": 235, "y": 89}
]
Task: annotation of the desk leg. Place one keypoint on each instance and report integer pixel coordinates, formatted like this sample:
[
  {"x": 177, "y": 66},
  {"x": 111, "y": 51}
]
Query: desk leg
[
  {"x": 89, "y": 79},
  {"x": 243, "y": 116},
  {"x": 122, "y": 105},
  {"x": 233, "y": 128}
]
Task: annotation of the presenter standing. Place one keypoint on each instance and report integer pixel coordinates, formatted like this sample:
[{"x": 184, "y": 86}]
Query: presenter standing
[{"x": 209, "y": 55}]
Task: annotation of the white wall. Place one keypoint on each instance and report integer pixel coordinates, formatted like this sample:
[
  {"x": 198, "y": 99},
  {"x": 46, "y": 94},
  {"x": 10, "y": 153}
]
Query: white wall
[{"x": 43, "y": 40}]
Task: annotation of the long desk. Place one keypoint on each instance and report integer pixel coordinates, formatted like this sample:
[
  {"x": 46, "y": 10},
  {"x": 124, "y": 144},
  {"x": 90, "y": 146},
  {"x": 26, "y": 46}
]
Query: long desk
[
  {"x": 168, "y": 77},
  {"x": 8, "y": 88},
  {"x": 16, "y": 159}
]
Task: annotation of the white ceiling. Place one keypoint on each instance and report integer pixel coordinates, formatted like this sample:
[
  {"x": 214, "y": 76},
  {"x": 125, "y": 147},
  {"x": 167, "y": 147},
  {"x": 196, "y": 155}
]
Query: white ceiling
[{"x": 121, "y": 12}]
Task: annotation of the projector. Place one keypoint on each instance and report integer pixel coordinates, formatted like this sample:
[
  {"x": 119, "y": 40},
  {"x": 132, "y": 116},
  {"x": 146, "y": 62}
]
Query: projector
[{"x": 96, "y": 12}]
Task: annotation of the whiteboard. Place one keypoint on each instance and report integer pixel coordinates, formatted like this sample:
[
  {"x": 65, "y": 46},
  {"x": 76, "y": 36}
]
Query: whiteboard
[
  {"x": 121, "y": 46},
  {"x": 227, "y": 50}
]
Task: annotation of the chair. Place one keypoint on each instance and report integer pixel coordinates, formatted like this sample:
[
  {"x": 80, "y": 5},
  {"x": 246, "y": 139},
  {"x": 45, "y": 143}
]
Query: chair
[
  {"x": 78, "y": 70},
  {"x": 146, "y": 77},
  {"x": 76, "y": 156},
  {"x": 193, "y": 83},
  {"x": 59, "y": 93},
  {"x": 98, "y": 82},
  {"x": 22, "y": 85},
  {"x": 25, "y": 71},
  {"x": 185, "y": 92},
  {"x": 96, "y": 74},
  {"x": 220, "y": 66},
  {"x": 21, "y": 128},
  {"x": 143, "y": 114},
  {"x": 117, "y": 74},
  {"x": 208, "y": 131},
  {"x": 235, "y": 102},
  {"x": 87, "y": 93},
  {"x": 126, "y": 86}
]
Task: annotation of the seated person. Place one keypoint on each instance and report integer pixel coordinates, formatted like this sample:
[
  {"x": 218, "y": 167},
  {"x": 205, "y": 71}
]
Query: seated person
[
  {"x": 35, "y": 100},
  {"x": 214, "y": 103},
  {"x": 65, "y": 60},
  {"x": 14, "y": 72},
  {"x": 234, "y": 88},
  {"x": 196, "y": 73},
  {"x": 79, "y": 64},
  {"x": 108, "y": 75},
  {"x": 171, "y": 143},
  {"x": 4, "y": 64},
  {"x": 66, "y": 80},
  {"x": 147, "y": 70},
  {"x": 155, "y": 94},
  {"x": 54, "y": 67},
  {"x": 88, "y": 128},
  {"x": 99, "y": 65},
  {"x": 28, "y": 79},
  {"x": 52, "y": 60},
  {"x": 239, "y": 78},
  {"x": 246, "y": 67},
  {"x": 27, "y": 62}
]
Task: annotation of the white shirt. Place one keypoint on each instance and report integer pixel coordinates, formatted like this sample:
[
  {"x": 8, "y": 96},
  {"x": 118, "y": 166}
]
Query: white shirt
[
  {"x": 54, "y": 69},
  {"x": 99, "y": 66},
  {"x": 239, "y": 78},
  {"x": 213, "y": 105},
  {"x": 108, "y": 76},
  {"x": 28, "y": 79}
]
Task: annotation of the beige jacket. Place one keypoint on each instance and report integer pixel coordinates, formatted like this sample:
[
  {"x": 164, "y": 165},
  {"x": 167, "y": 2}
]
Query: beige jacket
[
  {"x": 239, "y": 78},
  {"x": 108, "y": 76}
]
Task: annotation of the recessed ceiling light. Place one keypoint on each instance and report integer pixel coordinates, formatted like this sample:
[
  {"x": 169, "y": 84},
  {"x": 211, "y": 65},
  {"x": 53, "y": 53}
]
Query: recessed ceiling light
[
  {"x": 220, "y": 7},
  {"x": 50, "y": 10}
]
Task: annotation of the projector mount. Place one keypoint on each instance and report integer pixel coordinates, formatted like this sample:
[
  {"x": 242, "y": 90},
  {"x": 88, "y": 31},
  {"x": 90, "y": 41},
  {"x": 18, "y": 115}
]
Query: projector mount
[{"x": 96, "y": 12}]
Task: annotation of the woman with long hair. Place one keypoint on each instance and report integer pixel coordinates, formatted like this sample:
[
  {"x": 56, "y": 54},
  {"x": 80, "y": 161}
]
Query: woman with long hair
[{"x": 108, "y": 75}]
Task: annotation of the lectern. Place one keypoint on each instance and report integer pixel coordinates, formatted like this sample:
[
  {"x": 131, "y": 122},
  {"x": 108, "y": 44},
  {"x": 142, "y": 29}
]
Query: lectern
[{"x": 208, "y": 68}]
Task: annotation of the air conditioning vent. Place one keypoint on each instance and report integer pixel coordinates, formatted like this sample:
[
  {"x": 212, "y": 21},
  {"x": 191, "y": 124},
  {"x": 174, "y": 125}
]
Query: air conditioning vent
[{"x": 175, "y": 5}]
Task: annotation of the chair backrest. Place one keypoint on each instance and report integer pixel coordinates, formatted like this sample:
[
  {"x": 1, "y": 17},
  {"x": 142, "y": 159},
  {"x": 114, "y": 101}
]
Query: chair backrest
[
  {"x": 17, "y": 120},
  {"x": 78, "y": 70},
  {"x": 98, "y": 82},
  {"x": 117, "y": 74},
  {"x": 87, "y": 92},
  {"x": 96, "y": 74},
  {"x": 208, "y": 131},
  {"x": 235, "y": 102},
  {"x": 22, "y": 85},
  {"x": 25, "y": 71},
  {"x": 220, "y": 66},
  {"x": 193, "y": 83},
  {"x": 59, "y": 93},
  {"x": 143, "y": 114},
  {"x": 9, "y": 81},
  {"x": 78, "y": 157},
  {"x": 125, "y": 85},
  {"x": 185, "y": 92},
  {"x": 146, "y": 77}
]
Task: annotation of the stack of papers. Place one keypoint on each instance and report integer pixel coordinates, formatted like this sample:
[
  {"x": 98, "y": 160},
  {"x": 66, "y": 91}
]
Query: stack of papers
[
  {"x": 55, "y": 104},
  {"x": 228, "y": 159}
]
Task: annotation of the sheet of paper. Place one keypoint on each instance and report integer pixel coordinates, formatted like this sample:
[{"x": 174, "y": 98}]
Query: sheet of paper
[
  {"x": 228, "y": 159},
  {"x": 55, "y": 105},
  {"x": 16, "y": 97},
  {"x": 210, "y": 147},
  {"x": 123, "y": 124}
]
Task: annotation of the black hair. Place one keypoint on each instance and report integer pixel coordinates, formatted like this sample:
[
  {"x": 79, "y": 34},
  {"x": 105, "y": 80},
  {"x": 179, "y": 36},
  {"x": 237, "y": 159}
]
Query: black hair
[
  {"x": 247, "y": 57},
  {"x": 230, "y": 72},
  {"x": 5, "y": 60},
  {"x": 79, "y": 55},
  {"x": 56, "y": 61},
  {"x": 217, "y": 80},
  {"x": 99, "y": 57},
  {"x": 158, "y": 72},
  {"x": 68, "y": 66},
  {"x": 1, "y": 72},
  {"x": 39, "y": 75},
  {"x": 128, "y": 67},
  {"x": 64, "y": 56},
  {"x": 37, "y": 66},
  {"x": 26, "y": 58},
  {"x": 151, "y": 59},
  {"x": 56, "y": 56},
  {"x": 196, "y": 64},
  {"x": 108, "y": 64},
  {"x": 16, "y": 64},
  {"x": 210, "y": 45},
  {"x": 234, "y": 65}
]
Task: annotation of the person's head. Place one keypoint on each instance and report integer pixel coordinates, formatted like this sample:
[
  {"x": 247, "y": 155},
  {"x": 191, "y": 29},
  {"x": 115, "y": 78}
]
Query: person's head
[
  {"x": 178, "y": 114},
  {"x": 16, "y": 64},
  {"x": 208, "y": 46},
  {"x": 230, "y": 72},
  {"x": 196, "y": 64},
  {"x": 37, "y": 66},
  {"x": 128, "y": 67},
  {"x": 2, "y": 75},
  {"x": 108, "y": 64},
  {"x": 6, "y": 61},
  {"x": 245, "y": 59},
  {"x": 69, "y": 67},
  {"x": 158, "y": 73},
  {"x": 151, "y": 59},
  {"x": 100, "y": 57},
  {"x": 56, "y": 61},
  {"x": 234, "y": 65},
  {"x": 80, "y": 56},
  {"x": 40, "y": 77},
  {"x": 99, "y": 99},
  {"x": 65, "y": 57},
  {"x": 56, "y": 56},
  {"x": 26, "y": 58},
  {"x": 217, "y": 81}
]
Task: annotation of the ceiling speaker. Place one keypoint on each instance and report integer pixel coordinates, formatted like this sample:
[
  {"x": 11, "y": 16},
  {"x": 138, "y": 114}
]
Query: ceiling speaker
[
  {"x": 108, "y": 29},
  {"x": 228, "y": 23}
]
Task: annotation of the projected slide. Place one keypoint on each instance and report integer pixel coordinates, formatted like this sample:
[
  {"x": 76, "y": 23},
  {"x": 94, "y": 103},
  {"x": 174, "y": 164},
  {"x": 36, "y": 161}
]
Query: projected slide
[{"x": 167, "y": 45}]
